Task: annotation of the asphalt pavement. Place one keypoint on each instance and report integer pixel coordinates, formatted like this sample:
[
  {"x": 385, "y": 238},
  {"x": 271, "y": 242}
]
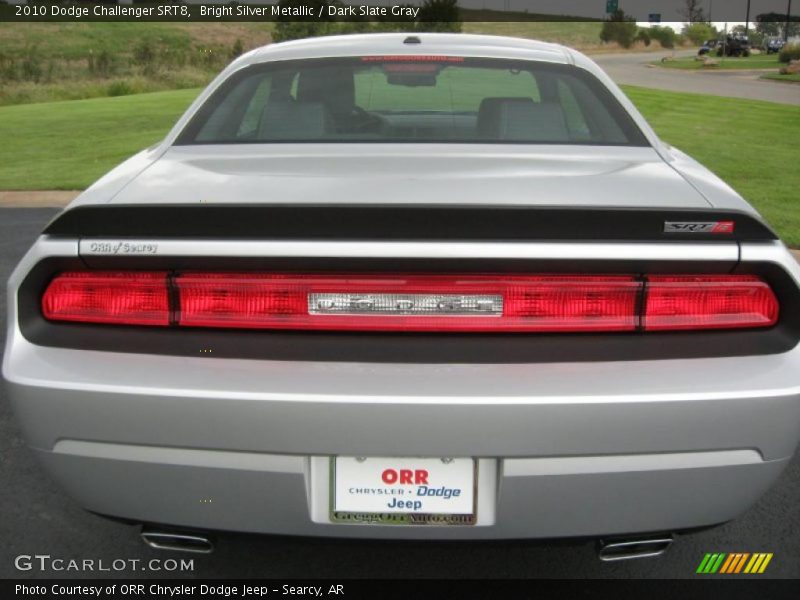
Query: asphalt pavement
[
  {"x": 633, "y": 68},
  {"x": 37, "y": 518}
]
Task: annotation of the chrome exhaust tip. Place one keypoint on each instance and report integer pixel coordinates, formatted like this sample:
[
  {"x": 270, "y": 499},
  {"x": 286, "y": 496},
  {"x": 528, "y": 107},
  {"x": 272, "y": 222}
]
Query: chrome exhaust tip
[
  {"x": 629, "y": 549},
  {"x": 179, "y": 542}
]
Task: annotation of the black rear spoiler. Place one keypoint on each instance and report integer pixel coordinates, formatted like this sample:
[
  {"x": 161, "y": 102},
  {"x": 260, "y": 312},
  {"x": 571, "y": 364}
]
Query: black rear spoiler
[{"x": 407, "y": 222}]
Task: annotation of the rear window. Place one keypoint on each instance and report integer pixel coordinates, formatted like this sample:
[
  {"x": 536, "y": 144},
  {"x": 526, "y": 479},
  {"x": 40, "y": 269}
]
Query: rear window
[{"x": 412, "y": 99}]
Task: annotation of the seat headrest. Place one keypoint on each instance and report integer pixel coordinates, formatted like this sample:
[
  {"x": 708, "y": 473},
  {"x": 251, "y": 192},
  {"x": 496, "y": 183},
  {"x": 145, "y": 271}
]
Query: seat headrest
[
  {"x": 294, "y": 121},
  {"x": 521, "y": 119},
  {"x": 333, "y": 86}
]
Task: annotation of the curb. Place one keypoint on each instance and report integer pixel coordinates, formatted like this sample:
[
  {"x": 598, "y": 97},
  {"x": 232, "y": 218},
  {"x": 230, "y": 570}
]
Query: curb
[{"x": 37, "y": 199}]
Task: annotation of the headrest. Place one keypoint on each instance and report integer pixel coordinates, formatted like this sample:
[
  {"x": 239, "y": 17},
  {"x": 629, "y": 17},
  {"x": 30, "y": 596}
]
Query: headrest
[
  {"x": 521, "y": 119},
  {"x": 333, "y": 86},
  {"x": 293, "y": 121}
]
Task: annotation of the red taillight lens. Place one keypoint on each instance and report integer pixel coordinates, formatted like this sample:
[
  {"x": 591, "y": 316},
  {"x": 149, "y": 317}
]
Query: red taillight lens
[
  {"x": 708, "y": 302},
  {"x": 408, "y": 302},
  {"x": 402, "y": 302},
  {"x": 124, "y": 298}
]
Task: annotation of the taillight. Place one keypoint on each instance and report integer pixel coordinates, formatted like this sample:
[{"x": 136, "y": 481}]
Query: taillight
[
  {"x": 708, "y": 302},
  {"x": 124, "y": 298},
  {"x": 406, "y": 302}
]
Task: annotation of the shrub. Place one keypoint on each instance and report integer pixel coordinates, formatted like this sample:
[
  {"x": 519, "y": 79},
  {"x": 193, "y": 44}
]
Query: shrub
[
  {"x": 665, "y": 36},
  {"x": 144, "y": 54},
  {"x": 789, "y": 52},
  {"x": 620, "y": 28},
  {"x": 237, "y": 49},
  {"x": 643, "y": 36},
  {"x": 101, "y": 64},
  {"x": 120, "y": 88},
  {"x": 8, "y": 67},
  {"x": 31, "y": 67}
]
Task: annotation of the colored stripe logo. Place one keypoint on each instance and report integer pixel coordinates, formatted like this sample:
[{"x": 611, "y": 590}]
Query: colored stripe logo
[{"x": 734, "y": 563}]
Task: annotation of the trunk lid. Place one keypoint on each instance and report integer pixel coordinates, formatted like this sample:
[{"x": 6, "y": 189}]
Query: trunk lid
[{"x": 412, "y": 174}]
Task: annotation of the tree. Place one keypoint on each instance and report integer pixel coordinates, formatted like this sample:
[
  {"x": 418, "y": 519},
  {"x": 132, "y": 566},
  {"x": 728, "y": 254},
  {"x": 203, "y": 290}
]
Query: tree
[
  {"x": 697, "y": 33},
  {"x": 291, "y": 27},
  {"x": 620, "y": 28},
  {"x": 769, "y": 24},
  {"x": 439, "y": 15},
  {"x": 665, "y": 35},
  {"x": 693, "y": 11},
  {"x": 773, "y": 24}
]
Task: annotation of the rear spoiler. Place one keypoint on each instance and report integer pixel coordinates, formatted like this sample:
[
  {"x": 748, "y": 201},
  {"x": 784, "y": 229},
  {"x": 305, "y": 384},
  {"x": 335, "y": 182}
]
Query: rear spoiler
[{"x": 409, "y": 222}]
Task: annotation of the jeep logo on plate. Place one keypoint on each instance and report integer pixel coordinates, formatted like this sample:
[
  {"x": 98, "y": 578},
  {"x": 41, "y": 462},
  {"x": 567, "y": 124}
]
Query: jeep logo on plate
[{"x": 698, "y": 227}]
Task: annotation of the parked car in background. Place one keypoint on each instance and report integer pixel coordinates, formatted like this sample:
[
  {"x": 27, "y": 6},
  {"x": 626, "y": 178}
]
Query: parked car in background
[
  {"x": 426, "y": 286},
  {"x": 707, "y": 47},
  {"x": 774, "y": 45}
]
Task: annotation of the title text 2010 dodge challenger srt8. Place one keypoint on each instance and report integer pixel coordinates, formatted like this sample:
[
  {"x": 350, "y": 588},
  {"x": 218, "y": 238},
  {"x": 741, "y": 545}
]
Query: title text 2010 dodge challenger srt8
[{"x": 434, "y": 286}]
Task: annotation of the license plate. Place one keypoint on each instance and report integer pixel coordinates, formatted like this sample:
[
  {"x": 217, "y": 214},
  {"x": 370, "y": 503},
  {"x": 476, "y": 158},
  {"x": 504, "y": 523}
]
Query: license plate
[{"x": 403, "y": 491}]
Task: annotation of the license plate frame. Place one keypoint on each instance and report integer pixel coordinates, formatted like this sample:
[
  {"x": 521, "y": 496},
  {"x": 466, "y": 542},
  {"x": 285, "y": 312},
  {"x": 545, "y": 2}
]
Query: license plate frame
[{"x": 403, "y": 518}]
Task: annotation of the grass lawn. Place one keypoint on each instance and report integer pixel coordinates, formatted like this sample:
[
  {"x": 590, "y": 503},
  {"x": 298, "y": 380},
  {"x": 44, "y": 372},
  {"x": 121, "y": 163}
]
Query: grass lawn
[
  {"x": 780, "y": 77},
  {"x": 751, "y": 144},
  {"x": 67, "y": 145},
  {"x": 756, "y": 61}
]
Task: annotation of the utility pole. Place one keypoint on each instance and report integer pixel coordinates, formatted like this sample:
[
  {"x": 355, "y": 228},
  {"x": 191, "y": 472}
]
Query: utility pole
[
  {"x": 786, "y": 25},
  {"x": 747, "y": 19}
]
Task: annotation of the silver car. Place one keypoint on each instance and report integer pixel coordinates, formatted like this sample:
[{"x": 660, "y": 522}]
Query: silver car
[{"x": 410, "y": 286}]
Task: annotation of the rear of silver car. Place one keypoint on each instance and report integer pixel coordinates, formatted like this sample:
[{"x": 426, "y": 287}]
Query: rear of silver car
[
  {"x": 302, "y": 430},
  {"x": 629, "y": 435}
]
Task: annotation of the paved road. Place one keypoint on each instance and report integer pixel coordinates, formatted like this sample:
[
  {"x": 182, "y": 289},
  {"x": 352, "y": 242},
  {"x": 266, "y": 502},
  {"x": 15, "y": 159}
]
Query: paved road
[
  {"x": 35, "y": 517},
  {"x": 632, "y": 69}
]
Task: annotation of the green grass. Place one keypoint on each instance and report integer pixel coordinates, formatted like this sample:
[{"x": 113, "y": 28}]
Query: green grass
[
  {"x": 782, "y": 77},
  {"x": 750, "y": 144},
  {"x": 756, "y": 61},
  {"x": 48, "y": 62},
  {"x": 67, "y": 145}
]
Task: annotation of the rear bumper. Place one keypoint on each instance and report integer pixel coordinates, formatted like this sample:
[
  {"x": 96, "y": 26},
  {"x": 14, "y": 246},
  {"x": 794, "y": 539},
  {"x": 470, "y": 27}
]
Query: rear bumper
[
  {"x": 535, "y": 498},
  {"x": 565, "y": 449}
]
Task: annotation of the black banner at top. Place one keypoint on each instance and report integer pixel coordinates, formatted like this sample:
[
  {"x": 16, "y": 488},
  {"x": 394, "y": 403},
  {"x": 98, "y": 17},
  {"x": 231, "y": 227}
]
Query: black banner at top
[{"x": 653, "y": 11}]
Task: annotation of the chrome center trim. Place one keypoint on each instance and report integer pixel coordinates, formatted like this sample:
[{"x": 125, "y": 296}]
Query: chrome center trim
[
  {"x": 716, "y": 251},
  {"x": 419, "y": 305}
]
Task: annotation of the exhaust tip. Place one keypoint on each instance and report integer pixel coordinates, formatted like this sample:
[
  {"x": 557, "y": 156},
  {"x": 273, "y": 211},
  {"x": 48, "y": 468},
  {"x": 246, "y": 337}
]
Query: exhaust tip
[
  {"x": 179, "y": 542},
  {"x": 630, "y": 549}
]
